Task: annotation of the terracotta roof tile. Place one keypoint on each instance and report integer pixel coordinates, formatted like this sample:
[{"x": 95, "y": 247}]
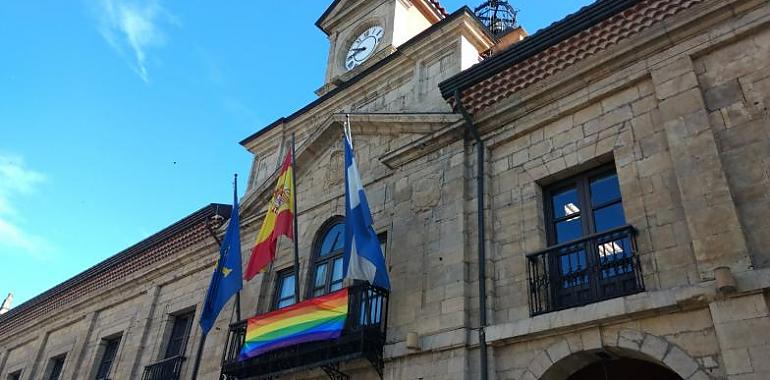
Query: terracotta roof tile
[
  {"x": 437, "y": 4},
  {"x": 571, "y": 51},
  {"x": 162, "y": 247}
]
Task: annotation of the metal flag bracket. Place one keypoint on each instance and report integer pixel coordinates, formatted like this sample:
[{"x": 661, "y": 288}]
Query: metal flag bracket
[{"x": 334, "y": 373}]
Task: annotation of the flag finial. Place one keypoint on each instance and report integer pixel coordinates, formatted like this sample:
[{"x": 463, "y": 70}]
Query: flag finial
[{"x": 347, "y": 131}]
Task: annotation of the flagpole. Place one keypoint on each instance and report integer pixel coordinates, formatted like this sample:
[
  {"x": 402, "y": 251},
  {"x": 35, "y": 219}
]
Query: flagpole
[
  {"x": 204, "y": 334},
  {"x": 296, "y": 230},
  {"x": 198, "y": 356},
  {"x": 238, "y": 294},
  {"x": 202, "y": 342}
]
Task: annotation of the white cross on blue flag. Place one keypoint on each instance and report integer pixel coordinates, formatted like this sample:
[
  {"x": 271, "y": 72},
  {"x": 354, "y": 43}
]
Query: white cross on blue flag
[{"x": 363, "y": 259}]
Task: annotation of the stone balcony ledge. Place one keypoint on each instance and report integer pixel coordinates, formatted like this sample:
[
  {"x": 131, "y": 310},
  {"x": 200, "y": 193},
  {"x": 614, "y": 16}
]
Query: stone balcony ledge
[
  {"x": 636, "y": 305},
  {"x": 617, "y": 309}
]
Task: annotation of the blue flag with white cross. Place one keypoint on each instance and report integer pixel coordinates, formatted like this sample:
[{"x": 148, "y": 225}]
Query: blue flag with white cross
[{"x": 363, "y": 258}]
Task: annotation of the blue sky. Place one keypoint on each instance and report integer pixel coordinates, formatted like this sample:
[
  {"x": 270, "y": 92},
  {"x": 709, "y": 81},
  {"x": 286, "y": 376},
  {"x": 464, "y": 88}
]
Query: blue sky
[{"x": 120, "y": 117}]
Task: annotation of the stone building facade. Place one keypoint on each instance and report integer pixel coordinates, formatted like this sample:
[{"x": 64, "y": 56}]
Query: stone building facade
[
  {"x": 625, "y": 182},
  {"x": 132, "y": 298}
]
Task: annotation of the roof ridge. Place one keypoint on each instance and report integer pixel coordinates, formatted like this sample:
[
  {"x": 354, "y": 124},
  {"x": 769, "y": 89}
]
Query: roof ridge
[
  {"x": 120, "y": 257},
  {"x": 592, "y": 29}
]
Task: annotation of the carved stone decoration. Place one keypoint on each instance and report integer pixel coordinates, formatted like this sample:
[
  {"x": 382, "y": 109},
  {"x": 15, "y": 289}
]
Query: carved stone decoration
[
  {"x": 426, "y": 193},
  {"x": 334, "y": 169}
]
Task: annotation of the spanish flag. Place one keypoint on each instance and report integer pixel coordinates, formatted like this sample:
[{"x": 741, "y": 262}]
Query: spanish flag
[{"x": 278, "y": 221}]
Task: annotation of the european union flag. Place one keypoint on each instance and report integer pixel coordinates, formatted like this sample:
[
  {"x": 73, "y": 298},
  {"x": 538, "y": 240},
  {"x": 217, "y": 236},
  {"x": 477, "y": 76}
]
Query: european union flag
[
  {"x": 363, "y": 258},
  {"x": 226, "y": 279}
]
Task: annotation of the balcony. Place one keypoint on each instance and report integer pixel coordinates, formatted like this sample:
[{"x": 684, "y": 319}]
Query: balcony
[
  {"x": 166, "y": 369},
  {"x": 363, "y": 337},
  {"x": 595, "y": 268}
]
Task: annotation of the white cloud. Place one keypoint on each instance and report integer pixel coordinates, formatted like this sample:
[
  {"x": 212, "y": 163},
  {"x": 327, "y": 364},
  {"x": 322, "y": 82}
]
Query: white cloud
[
  {"x": 11, "y": 236},
  {"x": 135, "y": 26},
  {"x": 18, "y": 181},
  {"x": 16, "y": 177}
]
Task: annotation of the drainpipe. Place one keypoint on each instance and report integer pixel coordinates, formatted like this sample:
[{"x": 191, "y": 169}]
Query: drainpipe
[{"x": 482, "y": 228}]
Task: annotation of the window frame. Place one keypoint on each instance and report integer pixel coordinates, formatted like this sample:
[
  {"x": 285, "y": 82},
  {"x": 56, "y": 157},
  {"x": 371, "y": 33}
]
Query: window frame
[
  {"x": 280, "y": 277},
  {"x": 190, "y": 314},
  {"x": 582, "y": 281},
  {"x": 317, "y": 260},
  {"x": 582, "y": 184},
  {"x": 55, "y": 367},
  {"x": 383, "y": 238},
  {"x": 328, "y": 260},
  {"x": 106, "y": 342}
]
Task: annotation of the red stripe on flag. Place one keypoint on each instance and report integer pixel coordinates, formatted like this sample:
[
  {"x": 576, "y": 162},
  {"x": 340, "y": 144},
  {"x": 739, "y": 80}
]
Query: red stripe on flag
[{"x": 264, "y": 252}]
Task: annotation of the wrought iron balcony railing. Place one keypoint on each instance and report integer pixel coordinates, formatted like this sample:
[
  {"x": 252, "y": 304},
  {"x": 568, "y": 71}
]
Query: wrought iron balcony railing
[
  {"x": 363, "y": 337},
  {"x": 166, "y": 369},
  {"x": 583, "y": 271}
]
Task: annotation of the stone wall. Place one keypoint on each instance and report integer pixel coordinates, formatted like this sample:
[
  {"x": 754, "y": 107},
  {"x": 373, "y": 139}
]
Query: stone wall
[
  {"x": 735, "y": 81},
  {"x": 162, "y": 277},
  {"x": 686, "y": 128},
  {"x": 692, "y": 353}
]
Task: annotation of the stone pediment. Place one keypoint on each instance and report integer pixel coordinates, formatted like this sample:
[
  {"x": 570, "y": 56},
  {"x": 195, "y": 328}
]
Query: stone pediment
[
  {"x": 328, "y": 137},
  {"x": 430, "y": 9},
  {"x": 335, "y": 11}
]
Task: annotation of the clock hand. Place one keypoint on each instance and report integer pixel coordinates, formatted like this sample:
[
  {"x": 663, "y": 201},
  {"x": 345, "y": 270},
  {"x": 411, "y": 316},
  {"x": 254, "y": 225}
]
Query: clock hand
[{"x": 356, "y": 51}]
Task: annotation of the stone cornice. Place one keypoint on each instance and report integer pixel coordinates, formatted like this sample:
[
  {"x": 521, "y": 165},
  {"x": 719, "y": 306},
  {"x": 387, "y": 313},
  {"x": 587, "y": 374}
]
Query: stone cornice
[
  {"x": 341, "y": 10},
  {"x": 199, "y": 257},
  {"x": 424, "y": 145},
  {"x": 331, "y": 130},
  {"x": 603, "y": 74},
  {"x": 616, "y": 310},
  {"x": 568, "y": 91},
  {"x": 165, "y": 247},
  {"x": 398, "y": 66},
  {"x": 642, "y": 16}
]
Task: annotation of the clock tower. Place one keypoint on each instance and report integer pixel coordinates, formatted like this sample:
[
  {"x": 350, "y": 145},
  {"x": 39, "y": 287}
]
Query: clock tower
[{"x": 362, "y": 32}]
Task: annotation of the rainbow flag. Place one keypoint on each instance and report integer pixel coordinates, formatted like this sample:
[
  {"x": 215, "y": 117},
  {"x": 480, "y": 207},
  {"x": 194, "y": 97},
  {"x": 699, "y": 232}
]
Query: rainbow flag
[{"x": 320, "y": 318}]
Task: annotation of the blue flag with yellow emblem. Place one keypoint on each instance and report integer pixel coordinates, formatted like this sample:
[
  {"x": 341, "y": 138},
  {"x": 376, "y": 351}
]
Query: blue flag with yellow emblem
[{"x": 226, "y": 280}]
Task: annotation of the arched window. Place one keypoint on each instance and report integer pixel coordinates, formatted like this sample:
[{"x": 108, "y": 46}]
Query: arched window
[{"x": 327, "y": 263}]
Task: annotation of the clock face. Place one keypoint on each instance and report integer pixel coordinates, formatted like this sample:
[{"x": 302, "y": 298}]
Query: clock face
[{"x": 363, "y": 47}]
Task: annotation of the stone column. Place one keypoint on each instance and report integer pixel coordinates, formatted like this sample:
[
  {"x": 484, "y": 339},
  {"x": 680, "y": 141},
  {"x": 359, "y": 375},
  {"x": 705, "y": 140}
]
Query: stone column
[
  {"x": 3, "y": 358},
  {"x": 38, "y": 356},
  {"x": 712, "y": 219},
  {"x": 134, "y": 348},
  {"x": 742, "y": 326},
  {"x": 79, "y": 351}
]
